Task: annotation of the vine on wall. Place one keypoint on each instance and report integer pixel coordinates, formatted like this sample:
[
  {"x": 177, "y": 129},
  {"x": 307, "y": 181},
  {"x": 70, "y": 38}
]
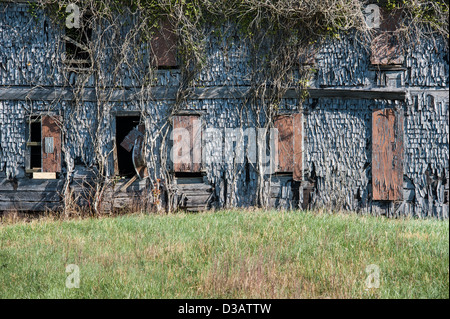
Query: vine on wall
[{"x": 282, "y": 36}]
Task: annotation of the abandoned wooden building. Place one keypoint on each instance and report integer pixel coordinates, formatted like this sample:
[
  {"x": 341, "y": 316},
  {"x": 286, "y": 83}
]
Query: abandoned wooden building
[{"x": 372, "y": 135}]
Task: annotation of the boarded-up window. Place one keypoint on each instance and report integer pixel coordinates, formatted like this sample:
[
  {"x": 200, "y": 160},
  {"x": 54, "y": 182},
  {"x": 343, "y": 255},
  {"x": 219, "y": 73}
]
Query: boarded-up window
[
  {"x": 187, "y": 147},
  {"x": 387, "y": 155},
  {"x": 385, "y": 46},
  {"x": 164, "y": 46},
  {"x": 289, "y": 144}
]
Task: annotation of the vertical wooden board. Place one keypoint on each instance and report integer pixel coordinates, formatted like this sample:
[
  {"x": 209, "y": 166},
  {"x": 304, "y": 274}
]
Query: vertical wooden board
[
  {"x": 196, "y": 143},
  {"x": 284, "y": 125},
  {"x": 115, "y": 156},
  {"x": 164, "y": 44},
  {"x": 387, "y": 155},
  {"x": 138, "y": 153},
  {"x": 193, "y": 162},
  {"x": 298, "y": 143},
  {"x": 51, "y": 161}
]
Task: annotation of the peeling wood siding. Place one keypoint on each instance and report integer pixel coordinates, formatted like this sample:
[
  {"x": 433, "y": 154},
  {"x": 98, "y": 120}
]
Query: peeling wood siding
[{"x": 25, "y": 55}]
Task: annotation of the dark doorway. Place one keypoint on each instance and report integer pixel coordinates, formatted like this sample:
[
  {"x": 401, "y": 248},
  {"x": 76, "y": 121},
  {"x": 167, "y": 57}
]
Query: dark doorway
[
  {"x": 124, "y": 124},
  {"x": 35, "y": 139}
]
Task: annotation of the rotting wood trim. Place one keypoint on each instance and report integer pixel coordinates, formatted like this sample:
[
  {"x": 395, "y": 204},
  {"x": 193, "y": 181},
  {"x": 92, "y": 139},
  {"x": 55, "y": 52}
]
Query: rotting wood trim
[{"x": 165, "y": 93}]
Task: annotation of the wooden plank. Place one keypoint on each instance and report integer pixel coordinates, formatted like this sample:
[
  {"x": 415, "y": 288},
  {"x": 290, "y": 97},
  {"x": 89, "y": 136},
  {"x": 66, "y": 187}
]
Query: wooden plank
[
  {"x": 164, "y": 45},
  {"x": 387, "y": 155},
  {"x": 32, "y": 170},
  {"x": 298, "y": 144},
  {"x": 198, "y": 199},
  {"x": 136, "y": 185},
  {"x": 31, "y": 185},
  {"x": 193, "y": 188},
  {"x": 33, "y": 144},
  {"x": 353, "y": 93},
  {"x": 138, "y": 154},
  {"x": 128, "y": 184},
  {"x": 195, "y": 193},
  {"x": 129, "y": 140},
  {"x": 51, "y": 161},
  {"x": 41, "y": 175},
  {"x": 189, "y": 180},
  {"x": 29, "y": 206},
  {"x": 285, "y": 147},
  {"x": 188, "y": 148},
  {"x": 14, "y": 196}
]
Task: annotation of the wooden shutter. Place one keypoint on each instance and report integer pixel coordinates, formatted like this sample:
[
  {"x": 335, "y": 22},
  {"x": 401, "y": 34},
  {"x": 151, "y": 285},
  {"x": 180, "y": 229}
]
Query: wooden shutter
[
  {"x": 387, "y": 155},
  {"x": 289, "y": 144},
  {"x": 51, "y": 144},
  {"x": 164, "y": 45},
  {"x": 130, "y": 140},
  {"x": 193, "y": 127}
]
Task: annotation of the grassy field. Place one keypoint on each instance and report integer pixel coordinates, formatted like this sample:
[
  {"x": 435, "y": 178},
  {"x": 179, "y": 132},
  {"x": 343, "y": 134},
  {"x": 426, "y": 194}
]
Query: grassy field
[{"x": 227, "y": 254}]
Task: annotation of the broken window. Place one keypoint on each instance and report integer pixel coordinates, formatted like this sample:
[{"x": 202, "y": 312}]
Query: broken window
[
  {"x": 44, "y": 146},
  {"x": 77, "y": 44},
  {"x": 387, "y": 155},
  {"x": 163, "y": 46},
  {"x": 129, "y": 150},
  {"x": 289, "y": 146},
  {"x": 187, "y": 148}
]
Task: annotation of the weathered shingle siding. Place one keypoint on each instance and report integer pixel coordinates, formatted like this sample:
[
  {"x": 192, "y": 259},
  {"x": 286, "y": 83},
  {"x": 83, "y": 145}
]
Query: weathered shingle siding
[
  {"x": 337, "y": 151},
  {"x": 344, "y": 62},
  {"x": 427, "y": 153},
  {"x": 12, "y": 118},
  {"x": 27, "y": 47},
  {"x": 428, "y": 65}
]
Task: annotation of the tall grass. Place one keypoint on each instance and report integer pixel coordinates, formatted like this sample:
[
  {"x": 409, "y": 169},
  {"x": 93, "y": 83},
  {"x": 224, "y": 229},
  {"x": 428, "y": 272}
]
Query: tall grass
[{"x": 226, "y": 254}]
